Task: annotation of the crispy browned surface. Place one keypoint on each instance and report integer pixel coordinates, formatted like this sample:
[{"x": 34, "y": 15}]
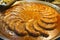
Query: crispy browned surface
[
  {"x": 20, "y": 29},
  {"x": 39, "y": 29},
  {"x": 46, "y": 25}
]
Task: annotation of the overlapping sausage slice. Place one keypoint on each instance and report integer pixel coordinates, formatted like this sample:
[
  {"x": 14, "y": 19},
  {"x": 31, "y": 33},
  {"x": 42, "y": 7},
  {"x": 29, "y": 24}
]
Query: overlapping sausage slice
[
  {"x": 46, "y": 26},
  {"x": 47, "y": 20},
  {"x": 39, "y": 29},
  {"x": 20, "y": 28},
  {"x": 30, "y": 29}
]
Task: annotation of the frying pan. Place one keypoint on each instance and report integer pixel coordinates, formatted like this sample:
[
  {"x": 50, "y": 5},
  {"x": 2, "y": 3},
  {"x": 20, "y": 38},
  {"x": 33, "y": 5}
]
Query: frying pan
[{"x": 7, "y": 34}]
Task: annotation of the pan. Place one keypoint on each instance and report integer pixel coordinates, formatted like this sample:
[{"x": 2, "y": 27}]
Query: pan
[{"x": 11, "y": 36}]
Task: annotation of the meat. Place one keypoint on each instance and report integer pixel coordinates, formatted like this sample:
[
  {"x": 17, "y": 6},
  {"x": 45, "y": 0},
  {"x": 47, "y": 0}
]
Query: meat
[
  {"x": 41, "y": 30},
  {"x": 49, "y": 13},
  {"x": 46, "y": 26},
  {"x": 13, "y": 23},
  {"x": 20, "y": 29},
  {"x": 11, "y": 26},
  {"x": 47, "y": 20},
  {"x": 10, "y": 17},
  {"x": 6, "y": 17},
  {"x": 50, "y": 16},
  {"x": 30, "y": 29},
  {"x": 11, "y": 20}
]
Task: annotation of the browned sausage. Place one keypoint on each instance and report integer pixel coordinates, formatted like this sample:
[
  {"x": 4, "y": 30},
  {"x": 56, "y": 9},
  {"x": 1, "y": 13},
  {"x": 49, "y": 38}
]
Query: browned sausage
[
  {"x": 10, "y": 17},
  {"x": 49, "y": 13},
  {"x": 50, "y": 16},
  {"x": 47, "y": 20},
  {"x": 46, "y": 26},
  {"x": 30, "y": 28},
  {"x": 20, "y": 29},
  {"x": 38, "y": 28},
  {"x": 12, "y": 23}
]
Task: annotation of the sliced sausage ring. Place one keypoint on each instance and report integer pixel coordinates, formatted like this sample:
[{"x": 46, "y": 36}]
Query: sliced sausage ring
[
  {"x": 47, "y": 20},
  {"x": 30, "y": 28},
  {"x": 46, "y": 26},
  {"x": 41, "y": 30},
  {"x": 20, "y": 29}
]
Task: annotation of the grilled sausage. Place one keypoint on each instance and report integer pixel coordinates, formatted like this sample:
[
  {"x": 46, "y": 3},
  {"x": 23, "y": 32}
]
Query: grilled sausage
[
  {"x": 12, "y": 23},
  {"x": 49, "y": 12},
  {"x": 46, "y": 26},
  {"x": 47, "y": 20},
  {"x": 6, "y": 17},
  {"x": 50, "y": 16},
  {"x": 30, "y": 28},
  {"x": 10, "y": 16},
  {"x": 46, "y": 14},
  {"x": 41, "y": 30},
  {"x": 20, "y": 29}
]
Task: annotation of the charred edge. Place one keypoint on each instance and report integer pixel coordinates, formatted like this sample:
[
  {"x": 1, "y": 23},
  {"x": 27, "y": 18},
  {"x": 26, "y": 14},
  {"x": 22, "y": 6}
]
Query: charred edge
[
  {"x": 44, "y": 35},
  {"x": 32, "y": 34},
  {"x": 48, "y": 22},
  {"x": 20, "y": 34}
]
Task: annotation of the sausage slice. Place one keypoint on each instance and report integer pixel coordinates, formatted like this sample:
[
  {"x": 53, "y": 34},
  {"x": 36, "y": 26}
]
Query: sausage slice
[
  {"x": 30, "y": 29},
  {"x": 41, "y": 30},
  {"x": 46, "y": 26},
  {"x": 20, "y": 29}
]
